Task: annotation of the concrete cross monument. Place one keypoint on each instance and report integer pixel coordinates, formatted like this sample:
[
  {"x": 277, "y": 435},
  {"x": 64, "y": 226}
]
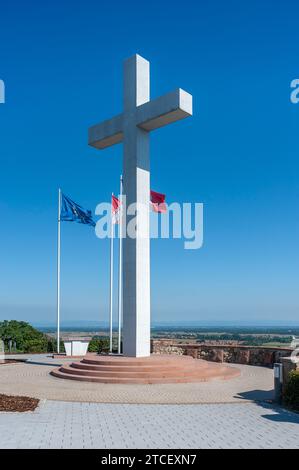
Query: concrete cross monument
[{"x": 132, "y": 127}]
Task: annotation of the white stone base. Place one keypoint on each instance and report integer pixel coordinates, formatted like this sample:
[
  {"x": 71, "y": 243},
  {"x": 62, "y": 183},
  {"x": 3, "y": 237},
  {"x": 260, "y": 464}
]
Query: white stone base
[{"x": 76, "y": 347}]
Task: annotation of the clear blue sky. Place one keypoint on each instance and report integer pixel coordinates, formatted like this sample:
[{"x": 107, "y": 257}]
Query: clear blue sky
[{"x": 239, "y": 154}]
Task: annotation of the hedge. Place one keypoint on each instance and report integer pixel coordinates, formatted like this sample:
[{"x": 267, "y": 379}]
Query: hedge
[{"x": 291, "y": 394}]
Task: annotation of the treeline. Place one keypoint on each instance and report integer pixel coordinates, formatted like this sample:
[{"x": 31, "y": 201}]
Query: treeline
[
  {"x": 21, "y": 337},
  {"x": 269, "y": 330},
  {"x": 245, "y": 339}
]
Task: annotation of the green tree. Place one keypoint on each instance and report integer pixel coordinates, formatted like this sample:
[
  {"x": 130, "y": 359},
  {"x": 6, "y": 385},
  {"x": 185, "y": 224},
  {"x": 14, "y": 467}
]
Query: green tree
[{"x": 27, "y": 338}]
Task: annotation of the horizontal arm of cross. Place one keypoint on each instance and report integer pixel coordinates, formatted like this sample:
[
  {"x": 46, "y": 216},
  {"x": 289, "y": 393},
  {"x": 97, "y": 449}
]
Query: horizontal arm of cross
[
  {"x": 148, "y": 116},
  {"x": 164, "y": 110},
  {"x": 107, "y": 133}
]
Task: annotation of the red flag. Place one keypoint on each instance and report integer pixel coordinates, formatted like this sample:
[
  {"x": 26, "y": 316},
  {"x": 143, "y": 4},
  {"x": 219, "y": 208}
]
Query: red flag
[
  {"x": 158, "y": 202},
  {"x": 115, "y": 207}
]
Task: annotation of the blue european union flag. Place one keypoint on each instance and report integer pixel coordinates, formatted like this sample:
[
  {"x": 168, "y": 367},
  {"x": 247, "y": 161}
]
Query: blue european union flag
[{"x": 72, "y": 212}]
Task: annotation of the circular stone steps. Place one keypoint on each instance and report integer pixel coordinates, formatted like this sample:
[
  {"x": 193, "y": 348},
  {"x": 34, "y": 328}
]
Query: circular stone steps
[{"x": 145, "y": 370}]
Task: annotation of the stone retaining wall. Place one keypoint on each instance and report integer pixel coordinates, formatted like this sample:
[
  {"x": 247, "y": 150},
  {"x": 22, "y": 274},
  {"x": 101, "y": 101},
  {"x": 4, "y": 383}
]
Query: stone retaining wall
[{"x": 253, "y": 355}]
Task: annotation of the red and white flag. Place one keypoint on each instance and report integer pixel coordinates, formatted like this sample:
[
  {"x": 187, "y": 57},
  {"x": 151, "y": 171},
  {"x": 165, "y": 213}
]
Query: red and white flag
[
  {"x": 158, "y": 202},
  {"x": 115, "y": 209}
]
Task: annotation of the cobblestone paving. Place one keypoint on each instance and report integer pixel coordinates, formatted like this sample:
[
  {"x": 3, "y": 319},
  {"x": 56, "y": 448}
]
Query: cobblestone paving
[
  {"x": 57, "y": 424},
  {"x": 31, "y": 379}
]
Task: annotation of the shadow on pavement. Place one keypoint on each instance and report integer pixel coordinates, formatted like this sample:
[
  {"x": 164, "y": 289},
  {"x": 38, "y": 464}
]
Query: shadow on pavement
[
  {"x": 264, "y": 399},
  {"x": 257, "y": 395},
  {"x": 37, "y": 363}
]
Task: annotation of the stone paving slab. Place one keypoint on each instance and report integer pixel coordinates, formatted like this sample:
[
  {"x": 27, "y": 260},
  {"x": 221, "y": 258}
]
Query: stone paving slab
[
  {"x": 31, "y": 379},
  {"x": 58, "y": 424}
]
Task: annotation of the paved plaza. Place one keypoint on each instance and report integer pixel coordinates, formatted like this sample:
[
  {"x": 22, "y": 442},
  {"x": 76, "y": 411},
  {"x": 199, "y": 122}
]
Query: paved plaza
[
  {"x": 232, "y": 413},
  {"x": 33, "y": 379},
  {"x": 57, "y": 424}
]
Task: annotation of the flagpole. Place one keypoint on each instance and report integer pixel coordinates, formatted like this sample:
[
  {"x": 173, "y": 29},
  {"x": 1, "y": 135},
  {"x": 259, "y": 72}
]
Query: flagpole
[
  {"x": 111, "y": 280},
  {"x": 58, "y": 272},
  {"x": 120, "y": 267}
]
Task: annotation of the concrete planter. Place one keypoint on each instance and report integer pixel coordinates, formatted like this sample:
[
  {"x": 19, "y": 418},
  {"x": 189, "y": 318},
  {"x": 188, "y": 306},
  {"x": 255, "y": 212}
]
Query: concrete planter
[{"x": 76, "y": 346}]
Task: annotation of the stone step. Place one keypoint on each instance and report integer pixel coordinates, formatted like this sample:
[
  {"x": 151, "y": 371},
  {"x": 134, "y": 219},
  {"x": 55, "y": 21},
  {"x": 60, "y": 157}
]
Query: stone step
[
  {"x": 127, "y": 380},
  {"x": 122, "y": 361},
  {"x": 131, "y": 374},
  {"x": 149, "y": 370},
  {"x": 133, "y": 368}
]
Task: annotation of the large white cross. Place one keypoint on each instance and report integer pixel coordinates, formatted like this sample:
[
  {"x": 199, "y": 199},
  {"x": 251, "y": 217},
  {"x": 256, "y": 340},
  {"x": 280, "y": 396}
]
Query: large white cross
[{"x": 132, "y": 127}]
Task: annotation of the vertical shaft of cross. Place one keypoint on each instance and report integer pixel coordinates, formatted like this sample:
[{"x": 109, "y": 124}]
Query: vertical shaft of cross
[
  {"x": 136, "y": 250},
  {"x": 140, "y": 116}
]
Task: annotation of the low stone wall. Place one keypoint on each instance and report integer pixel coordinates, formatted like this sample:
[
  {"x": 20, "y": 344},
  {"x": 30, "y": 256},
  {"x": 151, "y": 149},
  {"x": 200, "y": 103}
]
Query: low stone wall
[{"x": 253, "y": 355}]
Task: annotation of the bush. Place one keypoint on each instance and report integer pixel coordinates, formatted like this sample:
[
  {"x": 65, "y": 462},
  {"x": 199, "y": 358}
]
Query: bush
[
  {"x": 52, "y": 346},
  {"x": 98, "y": 345},
  {"x": 291, "y": 394},
  {"x": 27, "y": 338},
  {"x": 36, "y": 346}
]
